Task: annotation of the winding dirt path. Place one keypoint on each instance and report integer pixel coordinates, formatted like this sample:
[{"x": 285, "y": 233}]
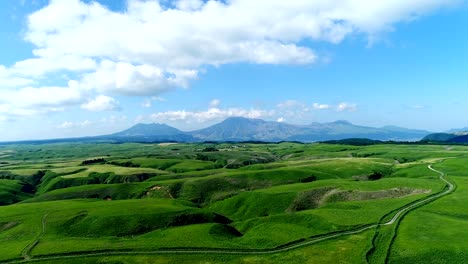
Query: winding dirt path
[
  {"x": 27, "y": 250},
  {"x": 451, "y": 187},
  {"x": 397, "y": 215}
]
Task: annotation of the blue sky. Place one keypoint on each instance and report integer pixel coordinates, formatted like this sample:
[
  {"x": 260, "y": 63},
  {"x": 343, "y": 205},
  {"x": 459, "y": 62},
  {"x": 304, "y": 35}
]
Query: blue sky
[{"x": 78, "y": 68}]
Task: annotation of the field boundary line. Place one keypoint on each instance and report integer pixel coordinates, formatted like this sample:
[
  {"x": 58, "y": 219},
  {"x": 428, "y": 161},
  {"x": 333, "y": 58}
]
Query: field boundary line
[
  {"x": 402, "y": 212},
  {"x": 300, "y": 243}
]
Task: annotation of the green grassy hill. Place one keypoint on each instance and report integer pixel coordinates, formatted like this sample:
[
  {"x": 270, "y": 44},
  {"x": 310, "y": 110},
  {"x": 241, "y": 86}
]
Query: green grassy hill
[{"x": 234, "y": 204}]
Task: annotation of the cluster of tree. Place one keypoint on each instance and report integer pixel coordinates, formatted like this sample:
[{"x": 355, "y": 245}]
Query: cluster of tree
[
  {"x": 124, "y": 164},
  {"x": 379, "y": 174},
  {"x": 310, "y": 178},
  {"x": 376, "y": 175},
  {"x": 93, "y": 161},
  {"x": 205, "y": 157},
  {"x": 210, "y": 149}
]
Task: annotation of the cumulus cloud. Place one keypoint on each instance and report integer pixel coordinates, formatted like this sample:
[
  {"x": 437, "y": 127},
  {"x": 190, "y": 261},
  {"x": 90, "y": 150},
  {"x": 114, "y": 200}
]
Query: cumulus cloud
[
  {"x": 189, "y": 4},
  {"x": 291, "y": 110},
  {"x": 69, "y": 124},
  {"x": 101, "y": 103},
  {"x": 318, "y": 106},
  {"x": 113, "y": 119},
  {"x": 40, "y": 66},
  {"x": 291, "y": 104},
  {"x": 215, "y": 103},
  {"x": 147, "y": 103},
  {"x": 42, "y": 97},
  {"x": 127, "y": 79},
  {"x": 32, "y": 101},
  {"x": 209, "y": 115},
  {"x": 9, "y": 79},
  {"x": 350, "y": 107},
  {"x": 153, "y": 46}
]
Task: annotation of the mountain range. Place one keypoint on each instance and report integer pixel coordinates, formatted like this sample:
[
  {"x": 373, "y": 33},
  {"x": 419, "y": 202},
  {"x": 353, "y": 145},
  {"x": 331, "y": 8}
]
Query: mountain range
[
  {"x": 453, "y": 136},
  {"x": 246, "y": 129}
]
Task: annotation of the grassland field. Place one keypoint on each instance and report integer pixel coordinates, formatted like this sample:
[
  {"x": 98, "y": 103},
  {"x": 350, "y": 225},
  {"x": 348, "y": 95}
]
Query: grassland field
[{"x": 137, "y": 203}]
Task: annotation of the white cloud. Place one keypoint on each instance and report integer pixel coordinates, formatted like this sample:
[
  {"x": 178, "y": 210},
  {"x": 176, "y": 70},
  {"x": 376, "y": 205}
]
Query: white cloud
[
  {"x": 292, "y": 110},
  {"x": 215, "y": 32},
  {"x": 68, "y": 124},
  {"x": 101, "y": 103},
  {"x": 158, "y": 98},
  {"x": 318, "y": 106},
  {"x": 140, "y": 119},
  {"x": 291, "y": 104},
  {"x": 9, "y": 79},
  {"x": 150, "y": 48},
  {"x": 113, "y": 119},
  {"x": 147, "y": 103},
  {"x": 289, "y": 110},
  {"x": 189, "y": 4},
  {"x": 43, "y": 96},
  {"x": 32, "y": 101},
  {"x": 346, "y": 107},
  {"x": 215, "y": 103},
  {"x": 42, "y": 65},
  {"x": 209, "y": 115},
  {"x": 127, "y": 79}
]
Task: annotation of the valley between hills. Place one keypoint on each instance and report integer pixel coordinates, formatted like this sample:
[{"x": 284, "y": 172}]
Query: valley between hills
[{"x": 235, "y": 202}]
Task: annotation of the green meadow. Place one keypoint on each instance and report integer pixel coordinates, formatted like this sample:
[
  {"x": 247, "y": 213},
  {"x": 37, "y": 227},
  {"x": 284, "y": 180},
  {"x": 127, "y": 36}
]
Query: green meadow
[{"x": 232, "y": 203}]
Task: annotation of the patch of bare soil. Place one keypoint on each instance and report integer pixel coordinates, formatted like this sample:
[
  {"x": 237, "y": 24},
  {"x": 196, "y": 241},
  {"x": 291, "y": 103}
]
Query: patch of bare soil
[
  {"x": 309, "y": 199},
  {"x": 372, "y": 195},
  {"x": 166, "y": 144},
  {"x": 8, "y": 225},
  {"x": 158, "y": 188}
]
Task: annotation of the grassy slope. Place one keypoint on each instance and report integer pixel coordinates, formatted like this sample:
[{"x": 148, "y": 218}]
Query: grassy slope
[
  {"x": 101, "y": 191},
  {"x": 278, "y": 199},
  {"x": 96, "y": 222},
  {"x": 257, "y": 197},
  {"x": 344, "y": 250},
  {"x": 12, "y": 191},
  {"x": 437, "y": 233}
]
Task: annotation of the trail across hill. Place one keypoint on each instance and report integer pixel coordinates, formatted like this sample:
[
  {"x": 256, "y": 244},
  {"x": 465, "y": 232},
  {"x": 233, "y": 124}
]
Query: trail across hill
[{"x": 292, "y": 246}]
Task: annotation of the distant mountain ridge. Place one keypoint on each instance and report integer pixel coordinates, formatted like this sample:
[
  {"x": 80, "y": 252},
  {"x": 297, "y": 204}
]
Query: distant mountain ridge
[
  {"x": 458, "y": 137},
  {"x": 458, "y": 130},
  {"x": 150, "y": 133},
  {"x": 244, "y": 129},
  {"x": 148, "y": 130},
  {"x": 247, "y": 129}
]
